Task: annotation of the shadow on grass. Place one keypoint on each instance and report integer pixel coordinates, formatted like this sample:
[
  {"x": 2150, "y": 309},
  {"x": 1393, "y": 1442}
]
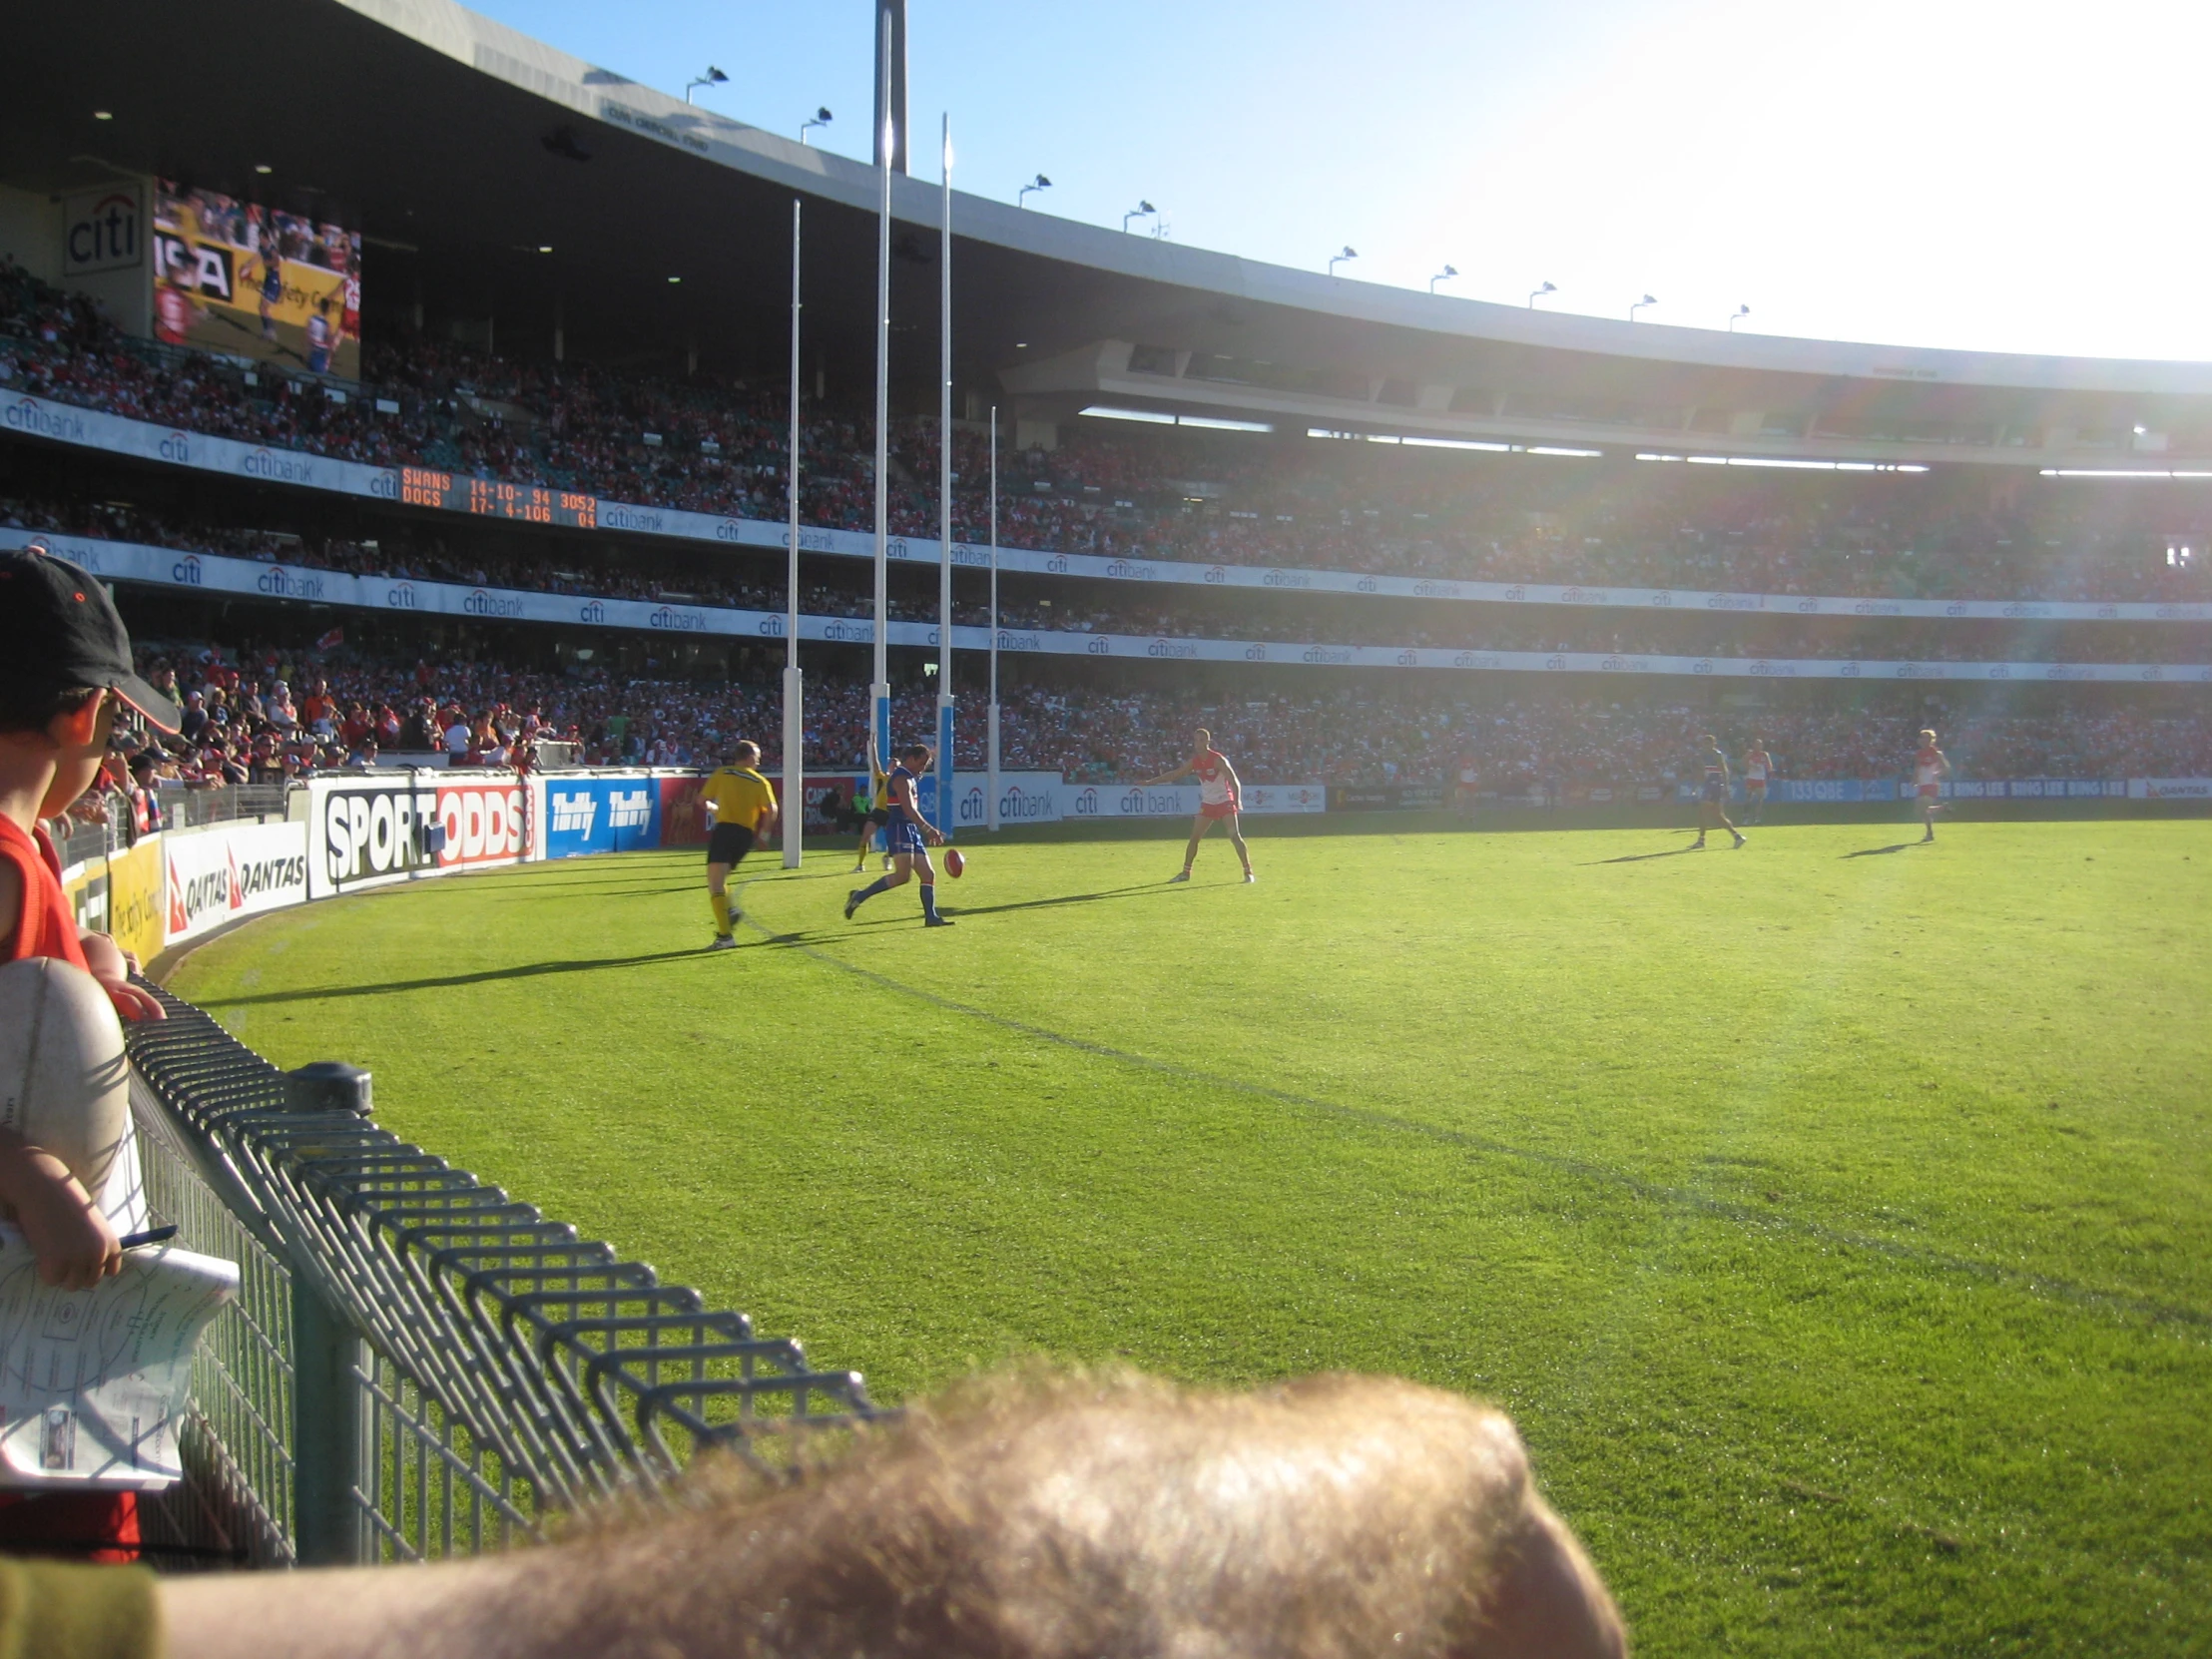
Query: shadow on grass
[
  {"x": 1153, "y": 888},
  {"x": 1640, "y": 858},
  {"x": 521, "y": 971},
  {"x": 1876, "y": 851}
]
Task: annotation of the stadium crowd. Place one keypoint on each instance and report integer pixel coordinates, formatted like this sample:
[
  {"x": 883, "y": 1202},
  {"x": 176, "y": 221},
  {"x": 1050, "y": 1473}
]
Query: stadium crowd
[
  {"x": 274, "y": 714},
  {"x": 644, "y": 573},
  {"x": 711, "y": 447}
]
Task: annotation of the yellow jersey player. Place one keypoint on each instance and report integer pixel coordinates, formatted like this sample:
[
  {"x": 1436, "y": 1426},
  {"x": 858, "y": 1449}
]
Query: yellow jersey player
[
  {"x": 744, "y": 805},
  {"x": 878, "y": 815}
]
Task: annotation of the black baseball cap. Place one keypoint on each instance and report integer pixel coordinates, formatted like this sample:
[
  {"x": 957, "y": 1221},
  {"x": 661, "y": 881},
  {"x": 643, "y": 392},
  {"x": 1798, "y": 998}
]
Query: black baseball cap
[{"x": 59, "y": 631}]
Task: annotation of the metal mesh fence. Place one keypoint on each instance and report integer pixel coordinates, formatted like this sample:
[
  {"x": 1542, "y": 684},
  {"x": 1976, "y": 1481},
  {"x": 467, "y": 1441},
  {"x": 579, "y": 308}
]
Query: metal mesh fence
[{"x": 419, "y": 1366}]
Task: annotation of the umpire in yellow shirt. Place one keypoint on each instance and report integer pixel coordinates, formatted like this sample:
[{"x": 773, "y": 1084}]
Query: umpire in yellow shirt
[{"x": 744, "y": 806}]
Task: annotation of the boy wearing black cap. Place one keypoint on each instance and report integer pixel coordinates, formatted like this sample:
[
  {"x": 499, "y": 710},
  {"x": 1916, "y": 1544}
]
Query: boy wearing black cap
[{"x": 65, "y": 678}]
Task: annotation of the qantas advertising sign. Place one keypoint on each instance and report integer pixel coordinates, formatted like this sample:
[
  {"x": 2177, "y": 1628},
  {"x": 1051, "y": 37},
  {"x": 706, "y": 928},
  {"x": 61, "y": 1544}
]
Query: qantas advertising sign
[{"x": 230, "y": 871}]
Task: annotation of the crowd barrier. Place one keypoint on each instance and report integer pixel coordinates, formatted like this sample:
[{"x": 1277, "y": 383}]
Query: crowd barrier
[{"x": 416, "y": 1364}]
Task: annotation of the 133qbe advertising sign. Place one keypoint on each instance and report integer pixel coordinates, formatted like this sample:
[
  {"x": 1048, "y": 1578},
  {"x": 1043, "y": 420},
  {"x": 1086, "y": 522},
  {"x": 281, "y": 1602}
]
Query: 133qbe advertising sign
[
  {"x": 363, "y": 831},
  {"x": 218, "y": 876}
]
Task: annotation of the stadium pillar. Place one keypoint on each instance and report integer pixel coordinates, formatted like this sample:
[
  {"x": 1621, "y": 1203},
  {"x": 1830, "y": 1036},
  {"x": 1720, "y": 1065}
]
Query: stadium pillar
[
  {"x": 947, "y": 796},
  {"x": 794, "y": 725},
  {"x": 879, "y": 687}
]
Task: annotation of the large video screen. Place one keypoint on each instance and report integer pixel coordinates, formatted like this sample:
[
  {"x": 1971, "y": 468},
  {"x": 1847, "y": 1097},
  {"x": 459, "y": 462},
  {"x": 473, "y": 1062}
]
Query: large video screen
[{"x": 255, "y": 282}]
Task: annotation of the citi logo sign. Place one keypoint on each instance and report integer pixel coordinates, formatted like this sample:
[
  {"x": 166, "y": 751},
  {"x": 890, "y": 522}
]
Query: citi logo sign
[
  {"x": 629, "y": 809},
  {"x": 290, "y": 584},
  {"x": 1123, "y": 569},
  {"x": 1021, "y": 803},
  {"x": 1016, "y": 642},
  {"x": 681, "y": 622},
  {"x": 1100, "y": 647},
  {"x": 1850, "y": 671},
  {"x": 1585, "y": 596},
  {"x": 1322, "y": 653},
  {"x": 1287, "y": 579},
  {"x": 1085, "y": 805},
  {"x": 385, "y": 485},
  {"x": 1057, "y": 565},
  {"x": 1170, "y": 648},
  {"x": 1256, "y": 653},
  {"x": 1406, "y": 659},
  {"x": 896, "y": 548},
  {"x": 1516, "y": 594},
  {"x": 1662, "y": 600},
  {"x": 1556, "y": 662},
  {"x": 284, "y": 468},
  {"x": 591, "y": 611},
  {"x": 2019, "y": 610},
  {"x": 1876, "y": 607},
  {"x": 104, "y": 234},
  {"x": 401, "y": 596},
  {"x": 1424, "y": 590},
  {"x": 617, "y": 517},
  {"x": 856, "y": 632},
  {"x": 186, "y": 571},
  {"x": 1808, "y": 607},
  {"x": 483, "y": 602},
  {"x": 2001, "y": 671},
  {"x": 573, "y": 813},
  {"x": 773, "y": 626},
  {"x": 1735, "y": 601},
  {"x": 28, "y": 414},
  {"x": 1704, "y": 664},
  {"x": 1214, "y": 574},
  {"x": 1367, "y": 584},
  {"x": 175, "y": 446}
]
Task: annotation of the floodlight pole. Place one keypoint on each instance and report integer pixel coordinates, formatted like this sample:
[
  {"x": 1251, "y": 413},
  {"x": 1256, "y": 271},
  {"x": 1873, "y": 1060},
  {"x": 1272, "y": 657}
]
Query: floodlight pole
[
  {"x": 991, "y": 758},
  {"x": 794, "y": 725},
  {"x": 946, "y": 811},
  {"x": 880, "y": 689}
]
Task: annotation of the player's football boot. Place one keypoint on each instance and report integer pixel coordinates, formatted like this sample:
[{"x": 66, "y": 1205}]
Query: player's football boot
[
  {"x": 1184, "y": 877},
  {"x": 937, "y": 921},
  {"x": 851, "y": 902},
  {"x": 1250, "y": 878},
  {"x": 723, "y": 942}
]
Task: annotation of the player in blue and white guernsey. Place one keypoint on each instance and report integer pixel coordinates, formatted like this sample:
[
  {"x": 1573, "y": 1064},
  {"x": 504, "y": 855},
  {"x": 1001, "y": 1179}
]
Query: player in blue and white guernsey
[
  {"x": 909, "y": 836},
  {"x": 1712, "y": 806}
]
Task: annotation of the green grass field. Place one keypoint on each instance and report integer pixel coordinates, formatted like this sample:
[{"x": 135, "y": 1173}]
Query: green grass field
[{"x": 1831, "y": 1214}]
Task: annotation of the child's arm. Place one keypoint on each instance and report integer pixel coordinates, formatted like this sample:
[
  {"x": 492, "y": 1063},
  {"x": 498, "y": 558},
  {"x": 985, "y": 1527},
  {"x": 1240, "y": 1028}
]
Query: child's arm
[
  {"x": 70, "y": 1238},
  {"x": 112, "y": 966}
]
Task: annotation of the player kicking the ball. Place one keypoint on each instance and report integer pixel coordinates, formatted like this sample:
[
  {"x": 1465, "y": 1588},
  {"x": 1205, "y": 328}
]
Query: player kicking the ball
[
  {"x": 910, "y": 836},
  {"x": 1220, "y": 798},
  {"x": 1930, "y": 768},
  {"x": 1712, "y": 808}
]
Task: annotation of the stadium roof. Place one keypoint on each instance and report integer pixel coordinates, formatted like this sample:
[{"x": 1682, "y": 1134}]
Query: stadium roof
[{"x": 463, "y": 148}]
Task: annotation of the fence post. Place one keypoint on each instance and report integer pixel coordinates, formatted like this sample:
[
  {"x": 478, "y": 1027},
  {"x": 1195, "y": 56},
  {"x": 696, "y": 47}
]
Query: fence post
[{"x": 333, "y": 1434}]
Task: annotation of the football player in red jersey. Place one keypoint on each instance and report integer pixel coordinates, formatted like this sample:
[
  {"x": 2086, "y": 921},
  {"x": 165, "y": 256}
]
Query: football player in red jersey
[
  {"x": 1930, "y": 768},
  {"x": 1220, "y": 798}
]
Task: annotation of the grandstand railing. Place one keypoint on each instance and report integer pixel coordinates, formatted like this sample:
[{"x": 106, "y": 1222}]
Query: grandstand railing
[{"x": 418, "y": 1365}]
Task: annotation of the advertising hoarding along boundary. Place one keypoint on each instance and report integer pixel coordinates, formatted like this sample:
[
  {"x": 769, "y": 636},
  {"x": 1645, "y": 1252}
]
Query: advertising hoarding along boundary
[
  {"x": 217, "y": 573},
  {"x": 230, "y": 871},
  {"x": 365, "y": 831},
  {"x": 93, "y": 429}
]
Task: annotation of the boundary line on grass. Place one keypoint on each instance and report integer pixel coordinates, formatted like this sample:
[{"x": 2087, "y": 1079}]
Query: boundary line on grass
[{"x": 2106, "y": 1302}]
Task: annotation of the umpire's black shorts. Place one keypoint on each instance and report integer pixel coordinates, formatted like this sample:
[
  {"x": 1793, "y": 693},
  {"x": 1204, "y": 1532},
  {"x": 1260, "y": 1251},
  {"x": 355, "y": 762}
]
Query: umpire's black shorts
[{"x": 728, "y": 843}]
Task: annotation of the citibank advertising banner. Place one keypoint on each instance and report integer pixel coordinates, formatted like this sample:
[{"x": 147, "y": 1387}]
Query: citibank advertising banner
[
  {"x": 600, "y": 814},
  {"x": 230, "y": 871},
  {"x": 363, "y": 831}
]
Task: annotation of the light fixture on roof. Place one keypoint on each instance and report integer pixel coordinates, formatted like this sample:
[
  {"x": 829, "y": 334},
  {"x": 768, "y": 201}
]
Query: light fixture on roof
[
  {"x": 1535, "y": 295},
  {"x": 2141, "y": 430},
  {"x": 713, "y": 78},
  {"x": 821, "y": 118},
  {"x": 103, "y": 114},
  {"x": 1444, "y": 276},
  {"x": 1647, "y": 300},
  {"x": 1348, "y": 251},
  {"x": 544, "y": 249},
  {"x": 1040, "y": 182},
  {"x": 1143, "y": 209},
  {"x": 676, "y": 279},
  {"x": 263, "y": 168},
  {"x": 1739, "y": 311}
]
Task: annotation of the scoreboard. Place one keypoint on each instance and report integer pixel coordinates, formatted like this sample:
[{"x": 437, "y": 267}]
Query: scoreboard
[{"x": 421, "y": 486}]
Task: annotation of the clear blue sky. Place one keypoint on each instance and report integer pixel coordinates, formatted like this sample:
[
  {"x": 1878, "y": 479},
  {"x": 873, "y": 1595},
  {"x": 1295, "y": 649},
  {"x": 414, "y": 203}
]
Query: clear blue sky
[{"x": 2019, "y": 176}]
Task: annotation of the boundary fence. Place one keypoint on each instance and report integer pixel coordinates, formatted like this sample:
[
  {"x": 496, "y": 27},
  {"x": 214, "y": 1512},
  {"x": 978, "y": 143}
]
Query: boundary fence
[{"x": 418, "y": 1365}]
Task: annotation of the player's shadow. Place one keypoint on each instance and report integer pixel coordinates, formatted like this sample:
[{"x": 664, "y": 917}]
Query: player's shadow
[
  {"x": 444, "y": 981},
  {"x": 1154, "y": 887},
  {"x": 1876, "y": 851},
  {"x": 1641, "y": 858}
]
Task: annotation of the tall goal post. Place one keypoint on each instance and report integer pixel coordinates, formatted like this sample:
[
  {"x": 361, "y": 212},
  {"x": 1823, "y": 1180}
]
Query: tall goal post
[
  {"x": 948, "y": 796},
  {"x": 991, "y": 757},
  {"x": 880, "y": 686},
  {"x": 795, "y": 722}
]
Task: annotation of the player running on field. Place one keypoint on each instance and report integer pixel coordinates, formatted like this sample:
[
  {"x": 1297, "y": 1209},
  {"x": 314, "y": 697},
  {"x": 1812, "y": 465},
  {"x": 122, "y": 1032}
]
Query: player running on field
[
  {"x": 744, "y": 806},
  {"x": 1712, "y": 808},
  {"x": 1220, "y": 800},
  {"x": 910, "y": 836},
  {"x": 1758, "y": 768},
  {"x": 877, "y": 815},
  {"x": 1930, "y": 768}
]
